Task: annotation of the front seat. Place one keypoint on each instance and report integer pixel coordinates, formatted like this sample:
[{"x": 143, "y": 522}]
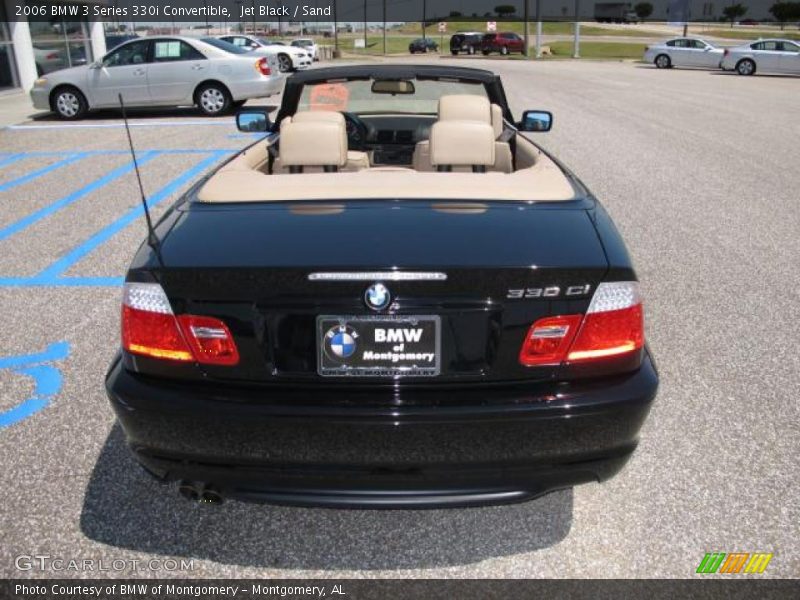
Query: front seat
[
  {"x": 318, "y": 146},
  {"x": 356, "y": 161},
  {"x": 469, "y": 107}
]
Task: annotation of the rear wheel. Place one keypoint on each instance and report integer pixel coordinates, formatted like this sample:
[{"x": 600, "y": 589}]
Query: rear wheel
[
  {"x": 213, "y": 99},
  {"x": 746, "y": 67},
  {"x": 454, "y": 52},
  {"x": 284, "y": 63},
  {"x": 69, "y": 103},
  {"x": 662, "y": 61},
  {"x": 486, "y": 53}
]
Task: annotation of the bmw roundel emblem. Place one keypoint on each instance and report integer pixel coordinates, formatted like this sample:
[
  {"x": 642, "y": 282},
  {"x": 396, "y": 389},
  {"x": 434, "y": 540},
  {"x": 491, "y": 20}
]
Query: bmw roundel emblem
[
  {"x": 377, "y": 296},
  {"x": 340, "y": 342}
]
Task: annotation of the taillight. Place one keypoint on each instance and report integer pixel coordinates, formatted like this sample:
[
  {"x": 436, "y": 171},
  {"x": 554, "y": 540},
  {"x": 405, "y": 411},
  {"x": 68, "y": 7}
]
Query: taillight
[
  {"x": 548, "y": 340},
  {"x": 150, "y": 328},
  {"x": 612, "y": 327},
  {"x": 262, "y": 66}
]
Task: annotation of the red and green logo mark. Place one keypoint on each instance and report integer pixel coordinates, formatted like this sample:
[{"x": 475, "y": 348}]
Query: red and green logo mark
[{"x": 737, "y": 562}]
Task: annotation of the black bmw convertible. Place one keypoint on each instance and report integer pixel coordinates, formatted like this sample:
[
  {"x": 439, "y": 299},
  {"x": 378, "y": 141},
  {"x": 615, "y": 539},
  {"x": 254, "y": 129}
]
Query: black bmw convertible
[{"x": 395, "y": 298}]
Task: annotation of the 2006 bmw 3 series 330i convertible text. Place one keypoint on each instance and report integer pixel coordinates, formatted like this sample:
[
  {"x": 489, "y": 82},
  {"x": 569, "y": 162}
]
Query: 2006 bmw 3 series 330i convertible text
[{"x": 394, "y": 299}]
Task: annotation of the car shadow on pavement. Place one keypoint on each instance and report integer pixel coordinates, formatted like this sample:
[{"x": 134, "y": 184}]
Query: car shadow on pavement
[{"x": 125, "y": 508}]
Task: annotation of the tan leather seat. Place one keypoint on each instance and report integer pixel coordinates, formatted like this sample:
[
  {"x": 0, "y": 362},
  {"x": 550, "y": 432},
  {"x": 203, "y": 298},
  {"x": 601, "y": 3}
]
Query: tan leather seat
[
  {"x": 466, "y": 144},
  {"x": 309, "y": 121},
  {"x": 467, "y": 107}
]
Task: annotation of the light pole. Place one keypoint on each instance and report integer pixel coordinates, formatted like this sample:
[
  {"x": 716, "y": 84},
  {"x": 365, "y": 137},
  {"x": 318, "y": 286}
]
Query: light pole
[
  {"x": 365, "y": 26},
  {"x": 538, "y": 29},
  {"x": 424, "y": 16},
  {"x": 577, "y": 45}
]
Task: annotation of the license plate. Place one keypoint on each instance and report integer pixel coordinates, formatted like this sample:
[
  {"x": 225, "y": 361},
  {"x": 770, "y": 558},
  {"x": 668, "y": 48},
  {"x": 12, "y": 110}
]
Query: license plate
[{"x": 379, "y": 346}]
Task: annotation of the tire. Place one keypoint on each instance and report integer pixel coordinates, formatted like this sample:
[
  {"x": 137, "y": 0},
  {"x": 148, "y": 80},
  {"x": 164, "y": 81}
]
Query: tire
[
  {"x": 284, "y": 63},
  {"x": 454, "y": 52},
  {"x": 213, "y": 99},
  {"x": 485, "y": 52},
  {"x": 504, "y": 50},
  {"x": 69, "y": 103},
  {"x": 746, "y": 67},
  {"x": 663, "y": 61}
]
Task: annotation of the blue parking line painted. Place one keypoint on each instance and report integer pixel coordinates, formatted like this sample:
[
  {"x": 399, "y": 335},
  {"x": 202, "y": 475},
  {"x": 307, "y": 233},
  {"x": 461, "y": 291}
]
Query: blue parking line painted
[
  {"x": 32, "y": 218},
  {"x": 43, "y": 171},
  {"x": 23, "y": 282},
  {"x": 10, "y": 160},
  {"x": 55, "y": 270},
  {"x": 47, "y": 379}
]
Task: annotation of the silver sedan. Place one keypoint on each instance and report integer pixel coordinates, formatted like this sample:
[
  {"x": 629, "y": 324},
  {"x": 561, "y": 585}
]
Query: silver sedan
[
  {"x": 161, "y": 71},
  {"x": 764, "y": 56},
  {"x": 684, "y": 52}
]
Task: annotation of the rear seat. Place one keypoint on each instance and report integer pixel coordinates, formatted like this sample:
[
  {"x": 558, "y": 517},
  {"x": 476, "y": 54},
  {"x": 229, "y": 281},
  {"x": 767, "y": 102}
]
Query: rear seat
[
  {"x": 466, "y": 107},
  {"x": 315, "y": 138}
]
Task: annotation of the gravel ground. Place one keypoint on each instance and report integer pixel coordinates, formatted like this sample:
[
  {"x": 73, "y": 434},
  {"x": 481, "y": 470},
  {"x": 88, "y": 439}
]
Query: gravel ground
[{"x": 699, "y": 171}]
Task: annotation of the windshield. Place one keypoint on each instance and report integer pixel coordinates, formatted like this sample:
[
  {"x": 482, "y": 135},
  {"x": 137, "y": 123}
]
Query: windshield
[
  {"x": 357, "y": 97},
  {"x": 227, "y": 47},
  {"x": 304, "y": 43}
]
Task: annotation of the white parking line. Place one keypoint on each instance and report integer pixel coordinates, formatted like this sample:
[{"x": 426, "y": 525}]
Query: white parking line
[{"x": 226, "y": 123}]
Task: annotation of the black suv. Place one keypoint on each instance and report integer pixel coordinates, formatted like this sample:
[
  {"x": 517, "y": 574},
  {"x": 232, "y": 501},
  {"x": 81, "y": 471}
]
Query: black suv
[
  {"x": 423, "y": 45},
  {"x": 465, "y": 42}
]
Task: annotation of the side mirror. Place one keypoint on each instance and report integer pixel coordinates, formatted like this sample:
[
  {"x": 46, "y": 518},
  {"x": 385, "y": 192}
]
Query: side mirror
[
  {"x": 98, "y": 64},
  {"x": 536, "y": 120},
  {"x": 253, "y": 120}
]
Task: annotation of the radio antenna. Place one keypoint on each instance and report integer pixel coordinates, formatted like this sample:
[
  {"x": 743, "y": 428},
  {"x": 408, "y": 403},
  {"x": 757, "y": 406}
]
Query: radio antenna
[{"x": 152, "y": 239}]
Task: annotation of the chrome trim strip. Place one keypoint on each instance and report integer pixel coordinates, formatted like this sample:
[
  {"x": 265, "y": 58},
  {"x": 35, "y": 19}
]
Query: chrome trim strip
[{"x": 378, "y": 276}]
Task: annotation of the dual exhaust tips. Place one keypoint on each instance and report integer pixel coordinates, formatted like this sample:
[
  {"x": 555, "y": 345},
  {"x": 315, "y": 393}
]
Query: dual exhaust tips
[{"x": 200, "y": 492}]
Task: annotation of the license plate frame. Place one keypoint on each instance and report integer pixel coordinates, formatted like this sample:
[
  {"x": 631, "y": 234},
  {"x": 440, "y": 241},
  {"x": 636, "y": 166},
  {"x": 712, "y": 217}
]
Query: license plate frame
[{"x": 329, "y": 365}]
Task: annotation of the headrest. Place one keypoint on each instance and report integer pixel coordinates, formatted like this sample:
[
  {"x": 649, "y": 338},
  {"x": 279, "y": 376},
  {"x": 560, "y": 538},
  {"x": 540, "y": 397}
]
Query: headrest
[
  {"x": 313, "y": 143},
  {"x": 318, "y": 116},
  {"x": 462, "y": 143},
  {"x": 465, "y": 107},
  {"x": 497, "y": 120}
]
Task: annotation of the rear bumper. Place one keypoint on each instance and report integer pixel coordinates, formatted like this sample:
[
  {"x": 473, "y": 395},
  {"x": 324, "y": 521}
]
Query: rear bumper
[
  {"x": 257, "y": 88},
  {"x": 348, "y": 449}
]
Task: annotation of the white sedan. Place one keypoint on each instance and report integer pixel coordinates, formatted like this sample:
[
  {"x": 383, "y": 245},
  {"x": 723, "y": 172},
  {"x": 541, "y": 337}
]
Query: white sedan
[
  {"x": 309, "y": 45},
  {"x": 683, "y": 52},
  {"x": 161, "y": 71},
  {"x": 764, "y": 56},
  {"x": 289, "y": 57}
]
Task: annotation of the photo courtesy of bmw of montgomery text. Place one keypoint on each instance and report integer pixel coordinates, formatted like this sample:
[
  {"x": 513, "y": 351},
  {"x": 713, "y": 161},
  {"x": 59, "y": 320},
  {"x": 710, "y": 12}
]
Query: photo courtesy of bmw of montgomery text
[{"x": 395, "y": 299}]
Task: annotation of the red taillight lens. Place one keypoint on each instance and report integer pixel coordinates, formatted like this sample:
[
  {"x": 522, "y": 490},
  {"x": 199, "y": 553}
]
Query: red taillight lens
[
  {"x": 149, "y": 328},
  {"x": 548, "y": 340},
  {"x": 210, "y": 340},
  {"x": 608, "y": 334},
  {"x": 262, "y": 66},
  {"x": 613, "y": 326}
]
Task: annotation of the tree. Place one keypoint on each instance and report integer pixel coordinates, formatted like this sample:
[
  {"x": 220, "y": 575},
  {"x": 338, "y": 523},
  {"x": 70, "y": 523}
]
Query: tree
[
  {"x": 505, "y": 10},
  {"x": 734, "y": 12},
  {"x": 454, "y": 14},
  {"x": 643, "y": 10},
  {"x": 785, "y": 11}
]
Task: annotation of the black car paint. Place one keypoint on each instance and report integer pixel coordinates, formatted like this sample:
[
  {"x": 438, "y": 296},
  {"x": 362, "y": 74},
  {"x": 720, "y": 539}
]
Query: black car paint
[{"x": 487, "y": 430}]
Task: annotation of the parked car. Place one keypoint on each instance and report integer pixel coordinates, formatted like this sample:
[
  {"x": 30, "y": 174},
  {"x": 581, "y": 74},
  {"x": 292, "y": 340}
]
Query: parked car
[
  {"x": 763, "y": 56},
  {"x": 289, "y": 58},
  {"x": 309, "y": 45},
  {"x": 161, "y": 71},
  {"x": 312, "y": 328},
  {"x": 423, "y": 45},
  {"x": 505, "y": 42},
  {"x": 615, "y": 12},
  {"x": 683, "y": 52},
  {"x": 469, "y": 42}
]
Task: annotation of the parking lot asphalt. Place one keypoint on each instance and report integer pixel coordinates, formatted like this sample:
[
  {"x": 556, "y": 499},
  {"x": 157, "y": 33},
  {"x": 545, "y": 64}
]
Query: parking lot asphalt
[{"x": 699, "y": 171}]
